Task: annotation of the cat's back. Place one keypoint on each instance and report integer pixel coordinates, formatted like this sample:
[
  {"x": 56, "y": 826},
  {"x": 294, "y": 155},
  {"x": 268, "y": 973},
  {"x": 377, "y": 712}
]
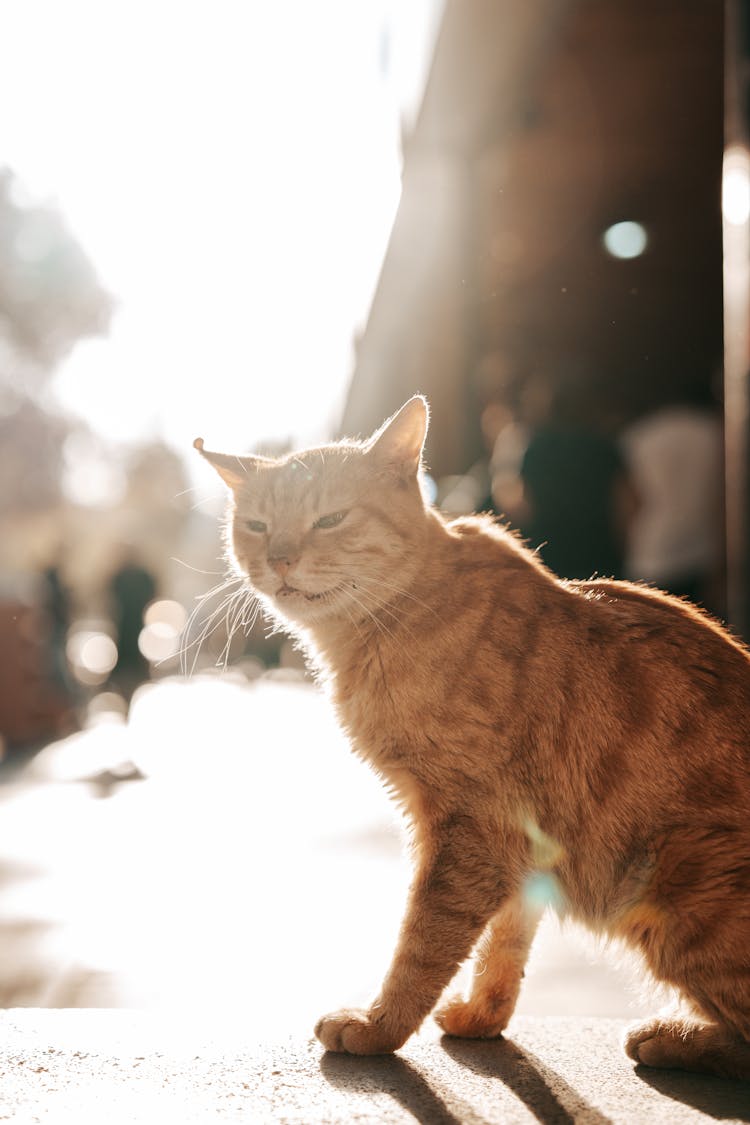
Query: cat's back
[
  {"x": 612, "y": 661},
  {"x": 672, "y": 658},
  {"x": 633, "y": 613}
]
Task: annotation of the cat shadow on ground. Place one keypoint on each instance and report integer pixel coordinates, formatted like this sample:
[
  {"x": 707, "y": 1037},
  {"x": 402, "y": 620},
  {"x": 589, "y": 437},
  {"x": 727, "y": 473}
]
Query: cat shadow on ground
[
  {"x": 500, "y": 1059},
  {"x": 535, "y": 1084},
  {"x": 398, "y": 1078},
  {"x": 552, "y": 1099},
  {"x": 720, "y": 1098}
]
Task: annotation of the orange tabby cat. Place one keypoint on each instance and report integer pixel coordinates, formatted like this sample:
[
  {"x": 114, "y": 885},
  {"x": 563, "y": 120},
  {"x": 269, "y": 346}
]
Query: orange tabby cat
[{"x": 589, "y": 740}]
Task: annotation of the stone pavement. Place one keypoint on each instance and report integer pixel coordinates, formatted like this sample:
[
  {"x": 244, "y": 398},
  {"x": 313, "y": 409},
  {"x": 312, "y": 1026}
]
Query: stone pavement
[{"x": 67, "y": 1067}]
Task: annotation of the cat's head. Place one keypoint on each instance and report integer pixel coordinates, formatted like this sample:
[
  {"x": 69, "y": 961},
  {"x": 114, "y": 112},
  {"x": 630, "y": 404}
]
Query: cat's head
[{"x": 332, "y": 531}]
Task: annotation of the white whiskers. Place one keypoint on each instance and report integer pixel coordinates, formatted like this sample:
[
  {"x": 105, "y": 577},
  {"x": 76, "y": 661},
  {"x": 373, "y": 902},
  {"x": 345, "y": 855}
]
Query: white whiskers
[{"x": 237, "y": 610}]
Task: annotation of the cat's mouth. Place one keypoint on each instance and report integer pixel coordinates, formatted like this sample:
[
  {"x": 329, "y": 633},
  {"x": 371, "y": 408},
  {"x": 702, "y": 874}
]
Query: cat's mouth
[{"x": 287, "y": 591}]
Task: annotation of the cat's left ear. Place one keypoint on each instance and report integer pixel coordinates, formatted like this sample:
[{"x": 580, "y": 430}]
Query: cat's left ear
[
  {"x": 399, "y": 441},
  {"x": 234, "y": 470}
]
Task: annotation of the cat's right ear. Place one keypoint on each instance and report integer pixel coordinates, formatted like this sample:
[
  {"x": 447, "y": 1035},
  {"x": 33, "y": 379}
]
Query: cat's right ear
[
  {"x": 399, "y": 442},
  {"x": 233, "y": 469}
]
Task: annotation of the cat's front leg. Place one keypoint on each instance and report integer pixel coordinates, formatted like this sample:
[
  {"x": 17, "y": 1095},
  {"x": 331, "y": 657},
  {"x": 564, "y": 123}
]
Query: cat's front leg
[
  {"x": 452, "y": 898},
  {"x": 499, "y": 963}
]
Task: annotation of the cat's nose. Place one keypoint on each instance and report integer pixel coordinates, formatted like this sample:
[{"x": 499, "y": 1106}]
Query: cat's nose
[
  {"x": 281, "y": 563},
  {"x": 281, "y": 566}
]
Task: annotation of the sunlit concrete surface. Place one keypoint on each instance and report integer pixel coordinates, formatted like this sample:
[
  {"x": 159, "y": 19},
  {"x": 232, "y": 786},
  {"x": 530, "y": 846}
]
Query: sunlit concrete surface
[
  {"x": 68, "y": 1067},
  {"x": 255, "y": 871}
]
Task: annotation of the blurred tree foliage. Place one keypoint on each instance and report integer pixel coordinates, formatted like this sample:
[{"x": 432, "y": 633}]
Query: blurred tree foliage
[
  {"x": 31, "y": 456},
  {"x": 50, "y": 297}
]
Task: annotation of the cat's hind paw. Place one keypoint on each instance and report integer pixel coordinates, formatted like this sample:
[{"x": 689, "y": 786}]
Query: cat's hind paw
[
  {"x": 684, "y": 1044},
  {"x": 355, "y": 1032},
  {"x": 639, "y": 1036},
  {"x": 474, "y": 1019}
]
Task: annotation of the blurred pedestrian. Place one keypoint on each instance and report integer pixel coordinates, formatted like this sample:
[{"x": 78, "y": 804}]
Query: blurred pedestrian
[
  {"x": 132, "y": 587},
  {"x": 55, "y": 598},
  {"x": 578, "y": 499},
  {"x": 676, "y": 457}
]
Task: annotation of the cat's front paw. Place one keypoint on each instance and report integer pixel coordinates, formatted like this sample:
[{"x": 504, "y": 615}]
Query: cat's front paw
[
  {"x": 356, "y": 1033},
  {"x": 474, "y": 1019}
]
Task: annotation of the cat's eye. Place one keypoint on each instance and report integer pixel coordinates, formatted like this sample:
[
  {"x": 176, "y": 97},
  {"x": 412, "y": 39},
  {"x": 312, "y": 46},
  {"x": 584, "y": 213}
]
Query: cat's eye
[
  {"x": 333, "y": 519},
  {"x": 256, "y": 525}
]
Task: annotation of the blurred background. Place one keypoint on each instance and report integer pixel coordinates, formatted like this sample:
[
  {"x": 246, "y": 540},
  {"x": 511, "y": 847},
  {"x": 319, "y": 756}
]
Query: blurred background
[{"x": 270, "y": 224}]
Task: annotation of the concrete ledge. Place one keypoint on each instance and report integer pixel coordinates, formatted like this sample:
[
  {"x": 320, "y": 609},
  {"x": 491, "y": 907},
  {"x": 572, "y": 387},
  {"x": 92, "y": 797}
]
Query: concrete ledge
[{"x": 72, "y": 1066}]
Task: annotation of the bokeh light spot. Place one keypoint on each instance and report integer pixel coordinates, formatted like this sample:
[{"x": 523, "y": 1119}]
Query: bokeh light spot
[
  {"x": 158, "y": 641},
  {"x": 166, "y": 612},
  {"x": 164, "y": 621},
  {"x": 92, "y": 655},
  {"x": 625, "y": 240}
]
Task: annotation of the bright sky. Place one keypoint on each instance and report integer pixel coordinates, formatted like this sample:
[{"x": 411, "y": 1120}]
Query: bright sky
[{"x": 231, "y": 167}]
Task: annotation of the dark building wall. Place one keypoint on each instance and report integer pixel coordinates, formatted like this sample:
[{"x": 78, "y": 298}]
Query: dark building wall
[{"x": 542, "y": 124}]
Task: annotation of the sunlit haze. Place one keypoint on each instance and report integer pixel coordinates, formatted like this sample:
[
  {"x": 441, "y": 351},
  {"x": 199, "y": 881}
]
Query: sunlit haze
[{"x": 232, "y": 170}]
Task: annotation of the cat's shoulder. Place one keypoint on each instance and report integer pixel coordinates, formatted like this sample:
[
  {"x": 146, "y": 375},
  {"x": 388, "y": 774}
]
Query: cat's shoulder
[
  {"x": 488, "y": 541},
  {"x": 482, "y": 524},
  {"x": 489, "y": 528}
]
